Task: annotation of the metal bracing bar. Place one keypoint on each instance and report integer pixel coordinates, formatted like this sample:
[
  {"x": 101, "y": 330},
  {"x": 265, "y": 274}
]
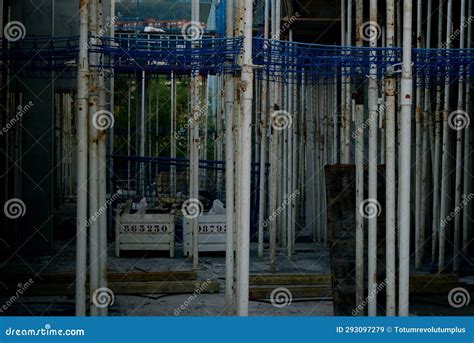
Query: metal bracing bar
[
  {"x": 405, "y": 161},
  {"x": 373, "y": 127},
  {"x": 446, "y": 154},
  {"x": 82, "y": 148}
]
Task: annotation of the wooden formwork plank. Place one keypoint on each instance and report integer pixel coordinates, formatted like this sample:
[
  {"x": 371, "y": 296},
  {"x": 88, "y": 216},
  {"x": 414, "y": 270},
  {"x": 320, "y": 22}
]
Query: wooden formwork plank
[
  {"x": 64, "y": 278},
  {"x": 318, "y": 291},
  {"x": 289, "y": 279},
  {"x": 127, "y": 288}
]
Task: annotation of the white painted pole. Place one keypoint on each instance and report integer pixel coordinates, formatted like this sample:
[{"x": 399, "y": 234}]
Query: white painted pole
[
  {"x": 460, "y": 163},
  {"x": 373, "y": 143},
  {"x": 405, "y": 161},
  {"x": 93, "y": 167},
  {"x": 246, "y": 137},
  {"x": 446, "y": 154},
  {"x": 273, "y": 187},
  {"x": 82, "y": 149},
  {"x": 390, "y": 173},
  {"x": 229, "y": 179}
]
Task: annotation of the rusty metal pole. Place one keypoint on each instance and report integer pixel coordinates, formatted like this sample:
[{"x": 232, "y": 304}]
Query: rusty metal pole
[
  {"x": 102, "y": 170},
  {"x": 229, "y": 179}
]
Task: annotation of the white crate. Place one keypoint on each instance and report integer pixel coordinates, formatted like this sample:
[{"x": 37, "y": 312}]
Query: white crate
[
  {"x": 145, "y": 232},
  {"x": 211, "y": 236}
]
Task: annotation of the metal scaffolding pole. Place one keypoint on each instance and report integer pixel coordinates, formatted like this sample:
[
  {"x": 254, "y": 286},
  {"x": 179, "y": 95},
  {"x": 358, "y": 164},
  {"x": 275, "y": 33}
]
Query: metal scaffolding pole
[
  {"x": 93, "y": 165},
  {"x": 459, "y": 149},
  {"x": 446, "y": 154},
  {"x": 246, "y": 136},
  {"x": 194, "y": 146},
  {"x": 390, "y": 181},
  {"x": 229, "y": 179},
  {"x": 82, "y": 149},
  {"x": 102, "y": 171},
  {"x": 359, "y": 161},
  {"x": 373, "y": 127},
  {"x": 437, "y": 149},
  {"x": 467, "y": 148},
  {"x": 263, "y": 143},
  {"x": 405, "y": 160},
  {"x": 418, "y": 144},
  {"x": 427, "y": 151}
]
